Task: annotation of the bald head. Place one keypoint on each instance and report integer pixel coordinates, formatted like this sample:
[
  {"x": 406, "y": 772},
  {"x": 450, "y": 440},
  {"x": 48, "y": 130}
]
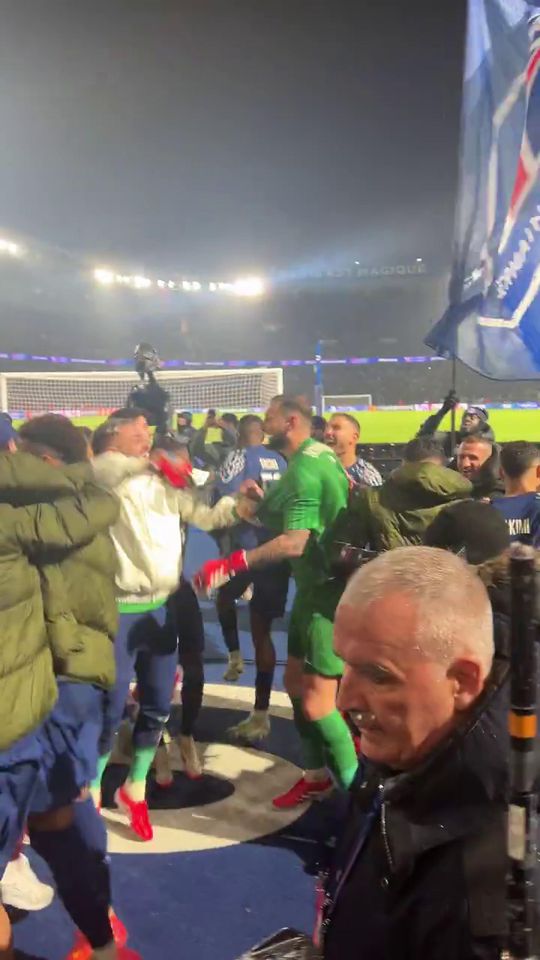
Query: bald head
[{"x": 414, "y": 628}]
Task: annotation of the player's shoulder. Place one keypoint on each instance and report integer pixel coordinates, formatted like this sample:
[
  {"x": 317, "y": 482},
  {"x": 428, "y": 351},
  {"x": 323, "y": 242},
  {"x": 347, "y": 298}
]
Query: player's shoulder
[
  {"x": 269, "y": 459},
  {"x": 233, "y": 465},
  {"x": 317, "y": 451}
]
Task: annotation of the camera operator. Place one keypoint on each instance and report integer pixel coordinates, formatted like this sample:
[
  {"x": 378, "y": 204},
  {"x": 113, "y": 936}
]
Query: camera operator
[{"x": 148, "y": 395}]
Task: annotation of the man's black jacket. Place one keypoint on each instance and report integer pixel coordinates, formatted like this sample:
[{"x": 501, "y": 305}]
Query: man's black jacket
[{"x": 429, "y": 881}]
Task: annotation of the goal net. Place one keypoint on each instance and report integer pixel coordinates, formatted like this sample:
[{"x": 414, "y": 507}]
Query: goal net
[
  {"x": 94, "y": 392},
  {"x": 342, "y": 402}
]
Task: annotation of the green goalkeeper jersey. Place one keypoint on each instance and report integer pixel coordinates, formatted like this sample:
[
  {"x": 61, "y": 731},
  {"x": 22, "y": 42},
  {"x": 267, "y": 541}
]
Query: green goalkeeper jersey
[{"x": 308, "y": 496}]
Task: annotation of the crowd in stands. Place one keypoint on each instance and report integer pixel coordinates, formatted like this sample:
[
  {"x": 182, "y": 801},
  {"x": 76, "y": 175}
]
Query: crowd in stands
[{"x": 397, "y": 669}]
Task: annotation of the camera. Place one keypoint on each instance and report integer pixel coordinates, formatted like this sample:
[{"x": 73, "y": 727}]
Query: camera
[{"x": 149, "y": 397}]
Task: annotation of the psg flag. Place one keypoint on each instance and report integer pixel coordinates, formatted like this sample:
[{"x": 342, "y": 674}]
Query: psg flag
[{"x": 493, "y": 321}]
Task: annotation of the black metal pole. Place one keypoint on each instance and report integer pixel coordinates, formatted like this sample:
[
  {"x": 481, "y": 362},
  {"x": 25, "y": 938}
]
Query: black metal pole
[
  {"x": 453, "y": 412},
  {"x": 522, "y": 813}
]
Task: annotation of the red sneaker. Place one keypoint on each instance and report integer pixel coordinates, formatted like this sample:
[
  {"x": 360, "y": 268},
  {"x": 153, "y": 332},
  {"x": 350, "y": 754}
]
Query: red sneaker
[
  {"x": 82, "y": 950},
  {"x": 118, "y": 929},
  {"x": 301, "y": 791},
  {"x": 137, "y": 811}
]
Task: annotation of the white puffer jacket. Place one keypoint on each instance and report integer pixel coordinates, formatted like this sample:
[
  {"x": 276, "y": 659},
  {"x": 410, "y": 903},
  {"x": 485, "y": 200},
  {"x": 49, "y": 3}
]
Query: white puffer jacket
[{"x": 148, "y": 535}]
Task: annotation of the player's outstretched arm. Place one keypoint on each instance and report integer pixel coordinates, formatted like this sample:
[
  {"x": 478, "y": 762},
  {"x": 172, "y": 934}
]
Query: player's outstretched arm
[
  {"x": 214, "y": 573},
  {"x": 193, "y": 510}
]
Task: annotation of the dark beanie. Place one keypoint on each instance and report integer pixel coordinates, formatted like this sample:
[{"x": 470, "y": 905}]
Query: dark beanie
[{"x": 475, "y": 528}]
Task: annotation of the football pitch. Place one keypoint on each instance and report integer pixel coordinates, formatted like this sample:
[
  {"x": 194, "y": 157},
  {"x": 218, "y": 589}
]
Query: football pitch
[{"x": 398, "y": 426}]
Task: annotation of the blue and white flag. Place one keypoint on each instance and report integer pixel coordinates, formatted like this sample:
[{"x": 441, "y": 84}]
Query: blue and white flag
[{"x": 493, "y": 321}]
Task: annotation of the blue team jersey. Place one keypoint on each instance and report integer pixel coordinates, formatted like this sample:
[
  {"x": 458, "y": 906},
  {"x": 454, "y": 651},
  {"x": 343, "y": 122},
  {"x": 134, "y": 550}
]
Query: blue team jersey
[
  {"x": 260, "y": 464},
  {"x": 522, "y": 515}
]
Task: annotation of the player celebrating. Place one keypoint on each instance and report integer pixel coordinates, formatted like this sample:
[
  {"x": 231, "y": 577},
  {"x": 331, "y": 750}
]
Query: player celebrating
[
  {"x": 148, "y": 539},
  {"x": 252, "y": 461},
  {"x": 299, "y": 508},
  {"x": 342, "y": 435}
]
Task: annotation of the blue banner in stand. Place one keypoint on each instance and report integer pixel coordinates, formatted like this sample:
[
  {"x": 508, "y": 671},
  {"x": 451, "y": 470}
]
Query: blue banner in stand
[{"x": 493, "y": 321}]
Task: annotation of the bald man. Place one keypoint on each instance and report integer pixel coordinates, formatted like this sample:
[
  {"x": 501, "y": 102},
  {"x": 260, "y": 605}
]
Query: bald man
[{"x": 420, "y": 871}]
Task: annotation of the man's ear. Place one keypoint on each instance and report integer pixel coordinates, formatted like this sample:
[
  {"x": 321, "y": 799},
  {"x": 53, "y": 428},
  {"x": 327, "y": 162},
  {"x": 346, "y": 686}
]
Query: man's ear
[{"x": 468, "y": 681}]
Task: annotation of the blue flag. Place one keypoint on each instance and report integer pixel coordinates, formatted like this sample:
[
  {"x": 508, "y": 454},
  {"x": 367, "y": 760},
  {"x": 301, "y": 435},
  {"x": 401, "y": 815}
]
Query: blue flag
[{"x": 493, "y": 321}]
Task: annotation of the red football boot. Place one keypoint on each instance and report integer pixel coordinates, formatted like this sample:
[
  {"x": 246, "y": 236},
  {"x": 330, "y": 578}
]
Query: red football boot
[
  {"x": 137, "y": 811},
  {"x": 302, "y": 791}
]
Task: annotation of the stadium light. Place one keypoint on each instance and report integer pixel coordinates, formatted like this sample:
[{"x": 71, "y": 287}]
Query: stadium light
[
  {"x": 249, "y": 287},
  {"x": 104, "y": 276},
  {"x": 12, "y": 249},
  {"x": 141, "y": 283},
  {"x": 419, "y": 260}
]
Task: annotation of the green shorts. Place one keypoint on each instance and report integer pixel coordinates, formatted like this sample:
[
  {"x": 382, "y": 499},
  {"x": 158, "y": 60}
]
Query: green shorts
[{"x": 311, "y": 630}]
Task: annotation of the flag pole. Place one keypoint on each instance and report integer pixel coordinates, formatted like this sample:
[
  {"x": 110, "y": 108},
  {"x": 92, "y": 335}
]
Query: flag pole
[
  {"x": 453, "y": 412},
  {"x": 522, "y": 814}
]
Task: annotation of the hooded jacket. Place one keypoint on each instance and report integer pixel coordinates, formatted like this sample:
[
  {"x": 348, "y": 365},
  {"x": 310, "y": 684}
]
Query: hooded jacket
[
  {"x": 57, "y": 613},
  {"x": 148, "y": 536},
  {"x": 420, "y": 871},
  {"x": 430, "y": 428},
  {"x": 398, "y": 513}
]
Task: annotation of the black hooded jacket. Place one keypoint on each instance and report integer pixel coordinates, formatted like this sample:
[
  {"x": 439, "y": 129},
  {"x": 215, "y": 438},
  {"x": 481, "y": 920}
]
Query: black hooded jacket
[
  {"x": 430, "y": 427},
  {"x": 429, "y": 880}
]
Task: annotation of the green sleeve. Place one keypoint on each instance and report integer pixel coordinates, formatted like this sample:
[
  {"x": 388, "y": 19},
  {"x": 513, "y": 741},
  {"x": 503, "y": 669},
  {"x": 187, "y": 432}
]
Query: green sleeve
[
  {"x": 302, "y": 509},
  {"x": 68, "y": 524}
]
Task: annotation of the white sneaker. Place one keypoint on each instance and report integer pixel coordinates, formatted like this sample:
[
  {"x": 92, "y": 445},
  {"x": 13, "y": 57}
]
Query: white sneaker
[
  {"x": 190, "y": 757},
  {"x": 254, "y": 728},
  {"x": 236, "y": 667},
  {"x": 20, "y": 888}
]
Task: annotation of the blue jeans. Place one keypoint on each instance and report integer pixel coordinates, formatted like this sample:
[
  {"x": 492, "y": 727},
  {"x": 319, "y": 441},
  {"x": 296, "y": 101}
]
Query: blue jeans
[
  {"x": 69, "y": 739},
  {"x": 19, "y": 774},
  {"x": 145, "y": 649},
  {"x": 48, "y": 768}
]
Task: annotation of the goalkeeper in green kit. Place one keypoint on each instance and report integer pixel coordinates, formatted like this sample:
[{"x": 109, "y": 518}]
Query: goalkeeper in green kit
[{"x": 299, "y": 508}]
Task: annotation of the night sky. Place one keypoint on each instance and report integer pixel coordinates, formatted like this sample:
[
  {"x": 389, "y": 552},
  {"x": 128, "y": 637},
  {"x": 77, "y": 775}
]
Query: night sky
[{"x": 231, "y": 135}]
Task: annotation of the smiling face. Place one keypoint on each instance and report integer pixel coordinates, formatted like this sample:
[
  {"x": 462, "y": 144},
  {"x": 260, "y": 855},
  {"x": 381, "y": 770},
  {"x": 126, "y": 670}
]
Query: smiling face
[
  {"x": 132, "y": 438},
  {"x": 471, "y": 457},
  {"x": 402, "y": 701},
  {"x": 342, "y": 435}
]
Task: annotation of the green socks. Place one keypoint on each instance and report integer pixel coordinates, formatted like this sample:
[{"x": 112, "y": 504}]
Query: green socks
[
  {"x": 142, "y": 761},
  {"x": 138, "y": 773},
  {"x": 339, "y": 748},
  {"x": 95, "y": 786},
  {"x": 312, "y": 745},
  {"x": 327, "y": 742}
]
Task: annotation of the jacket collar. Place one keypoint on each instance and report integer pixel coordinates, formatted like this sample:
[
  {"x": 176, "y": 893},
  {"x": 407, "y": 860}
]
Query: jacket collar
[{"x": 456, "y": 790}]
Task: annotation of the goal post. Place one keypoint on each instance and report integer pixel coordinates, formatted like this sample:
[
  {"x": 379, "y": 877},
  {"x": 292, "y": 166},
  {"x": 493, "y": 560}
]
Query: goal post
[
  {"x": 98, "y": 392},
  {"x": 343, "y": 402}
]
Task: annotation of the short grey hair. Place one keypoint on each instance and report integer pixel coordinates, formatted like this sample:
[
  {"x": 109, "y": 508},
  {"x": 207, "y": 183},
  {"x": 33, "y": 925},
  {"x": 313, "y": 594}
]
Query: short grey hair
[{"x": 454, "y": 611}]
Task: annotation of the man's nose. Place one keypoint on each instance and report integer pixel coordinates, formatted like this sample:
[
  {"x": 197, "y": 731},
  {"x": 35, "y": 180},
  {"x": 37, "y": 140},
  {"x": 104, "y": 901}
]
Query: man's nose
[{"x": 350, "y": 695}]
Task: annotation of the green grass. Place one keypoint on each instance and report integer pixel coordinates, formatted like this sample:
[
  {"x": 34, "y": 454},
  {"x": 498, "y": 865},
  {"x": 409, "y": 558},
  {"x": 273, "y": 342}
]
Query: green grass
[{"x": 398, "y": 426}]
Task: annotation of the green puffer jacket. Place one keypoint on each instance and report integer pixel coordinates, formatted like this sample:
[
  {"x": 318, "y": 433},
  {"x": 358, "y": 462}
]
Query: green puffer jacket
[
  {"x": 57, "y": 604},
  {"x": 398, "y": 513}
]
